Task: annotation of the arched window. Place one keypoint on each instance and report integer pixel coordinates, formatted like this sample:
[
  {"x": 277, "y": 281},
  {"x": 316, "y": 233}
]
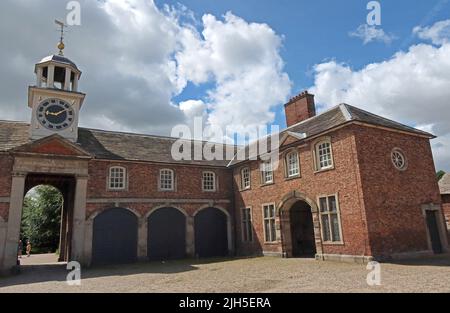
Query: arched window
[
  {"x": 209, "y": 181},
  {"x": 292, "y": 164},
  {"x": 323, "y": 155},
  {"x": 117, "y": 178},
  {"x": 245, "y": 178},
  {"x": 166, "y": 180}
]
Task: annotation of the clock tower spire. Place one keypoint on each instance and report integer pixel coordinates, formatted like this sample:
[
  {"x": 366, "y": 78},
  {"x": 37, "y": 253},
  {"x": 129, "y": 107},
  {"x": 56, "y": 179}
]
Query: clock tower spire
[{"x": 55, "y": 100}]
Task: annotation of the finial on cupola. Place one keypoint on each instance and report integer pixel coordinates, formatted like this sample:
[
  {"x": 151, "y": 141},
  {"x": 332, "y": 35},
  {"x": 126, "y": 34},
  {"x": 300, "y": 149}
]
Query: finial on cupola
[{"x": 61, "y": 45}]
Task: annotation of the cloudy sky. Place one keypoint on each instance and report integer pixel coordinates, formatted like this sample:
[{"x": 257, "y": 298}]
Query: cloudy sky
[{"x": 149, "y": 65}]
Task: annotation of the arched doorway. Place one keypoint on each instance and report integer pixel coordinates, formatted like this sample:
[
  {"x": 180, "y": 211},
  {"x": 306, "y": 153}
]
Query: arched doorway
[
  {"x": 166, "y": 234},
  {"x": 47, "y": 217},
  {"x": 302, "y": 230},
  {"x": 115, "y": 236},
  {"x": 211, "y": 233},
  {"x": 299, "y": 226}
]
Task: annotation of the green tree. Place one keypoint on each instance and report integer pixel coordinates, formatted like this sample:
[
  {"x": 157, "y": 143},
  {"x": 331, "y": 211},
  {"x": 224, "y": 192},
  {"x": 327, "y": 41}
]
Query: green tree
[
  {"x": 440, "y": 174},
  {"x": 42, "y": 218}
]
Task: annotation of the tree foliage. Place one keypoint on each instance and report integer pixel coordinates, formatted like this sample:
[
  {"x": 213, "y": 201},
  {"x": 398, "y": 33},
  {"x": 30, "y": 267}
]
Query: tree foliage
[
  {"x": 42, "y": 218},
  {"x": 440, "y": 174}
]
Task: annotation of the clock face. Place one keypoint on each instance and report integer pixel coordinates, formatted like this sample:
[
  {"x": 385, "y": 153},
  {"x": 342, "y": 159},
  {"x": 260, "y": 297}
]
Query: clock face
[{"x": 55, "y": 114}]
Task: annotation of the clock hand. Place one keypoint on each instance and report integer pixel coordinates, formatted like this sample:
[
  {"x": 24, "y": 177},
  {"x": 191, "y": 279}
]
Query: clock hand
[{"x": 60, "y": 112}]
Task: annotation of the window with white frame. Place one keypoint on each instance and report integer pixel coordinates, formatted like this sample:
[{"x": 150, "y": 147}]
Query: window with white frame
[
  {"x": 267, "y": 173},
  {"x": 324, "y": 156},
  {"x": 270, "y": 234},
  {"x": 245, "y": 178},
  {"x": 117, "y": 178},
  {"x": 166, "y": 180},
  {"x": 209, "y": 181},
  {"x": 330, "y": 221},
  {"x": 247, "y": 226},
  {"x": 292, "y": 164}
]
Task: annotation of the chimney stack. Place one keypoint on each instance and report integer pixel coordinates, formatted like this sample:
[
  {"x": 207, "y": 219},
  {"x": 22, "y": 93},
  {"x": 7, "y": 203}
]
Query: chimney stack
[{"x": 300, "y": 108}]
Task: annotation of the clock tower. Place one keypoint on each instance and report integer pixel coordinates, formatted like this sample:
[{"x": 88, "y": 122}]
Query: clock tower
[{"x": 55, "y": 100}]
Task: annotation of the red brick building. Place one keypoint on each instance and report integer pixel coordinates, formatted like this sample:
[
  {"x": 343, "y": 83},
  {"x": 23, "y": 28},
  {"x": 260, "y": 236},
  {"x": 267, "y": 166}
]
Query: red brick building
[
  {"x": 444, "y": 186},
  {"x": 349, "y": 186}
]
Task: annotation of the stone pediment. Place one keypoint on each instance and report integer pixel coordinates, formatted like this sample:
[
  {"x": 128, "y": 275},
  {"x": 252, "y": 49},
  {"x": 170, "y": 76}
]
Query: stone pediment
[
  {"x": 290, "y": 138},
  {"x": 52, "y": 145}
]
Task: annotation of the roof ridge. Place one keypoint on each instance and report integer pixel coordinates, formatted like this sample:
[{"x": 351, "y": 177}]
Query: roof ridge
[
  {"x": 386, "y": 119},
  {"x": 346, "y": 112},
  {"x": 152, "y": 136}
]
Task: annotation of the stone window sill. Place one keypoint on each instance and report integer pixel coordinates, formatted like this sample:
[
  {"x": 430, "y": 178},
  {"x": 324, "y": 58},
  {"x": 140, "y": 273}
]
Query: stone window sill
[
  {"x": 292, "y": 178},
  {"x": 324, "y": 170}
]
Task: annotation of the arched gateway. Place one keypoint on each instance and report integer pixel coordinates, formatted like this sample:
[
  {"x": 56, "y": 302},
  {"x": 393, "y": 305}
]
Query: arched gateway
[{"x": 300, "y": 226}]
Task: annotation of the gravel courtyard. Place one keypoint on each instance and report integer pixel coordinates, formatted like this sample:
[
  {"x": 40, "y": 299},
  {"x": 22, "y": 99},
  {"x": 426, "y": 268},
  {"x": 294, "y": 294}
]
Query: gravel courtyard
[{"x": 239, "y": 275}]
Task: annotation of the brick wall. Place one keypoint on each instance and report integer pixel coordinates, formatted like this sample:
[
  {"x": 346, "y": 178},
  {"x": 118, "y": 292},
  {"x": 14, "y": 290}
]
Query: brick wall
[
  {"x": 343, "y": 180},
  {"x": 393, "y": 198},
  {"x": 143, "y": 183}
]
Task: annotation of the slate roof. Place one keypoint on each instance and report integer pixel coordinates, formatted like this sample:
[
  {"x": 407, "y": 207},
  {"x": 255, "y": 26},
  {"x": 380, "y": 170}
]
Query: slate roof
[
  {"x": 444, "y": 185},
  {"x": 338, "y": 116},
  {"x": 59, "y": 59},
  {"x": 109, "y": 145},
  {"x": 134, "y": 147}
]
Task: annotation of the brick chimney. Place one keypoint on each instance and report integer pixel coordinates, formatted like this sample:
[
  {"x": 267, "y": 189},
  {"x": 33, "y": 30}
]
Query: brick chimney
[{"x": 300, "y": 108}]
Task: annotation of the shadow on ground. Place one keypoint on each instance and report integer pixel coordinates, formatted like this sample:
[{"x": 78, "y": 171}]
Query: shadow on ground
[
  {"x": 438, "y": 260},
  {"x": 32, "y": 274}
]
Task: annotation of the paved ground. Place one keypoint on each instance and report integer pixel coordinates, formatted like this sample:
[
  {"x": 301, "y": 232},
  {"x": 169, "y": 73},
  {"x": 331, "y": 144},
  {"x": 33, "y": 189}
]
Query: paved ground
[
  {"x": 242, "y": 275},
  {"x": 39, "y": 259}
]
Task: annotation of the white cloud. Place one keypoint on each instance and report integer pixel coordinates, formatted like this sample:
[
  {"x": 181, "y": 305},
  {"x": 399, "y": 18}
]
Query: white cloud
[
  {"x": 244, "y": 62},
  {"x": 370, "y": 34},
  {"x": 438, "y": 34},
  {"x": 136, "y": 58},
  {"x": 411, "y": 87}
]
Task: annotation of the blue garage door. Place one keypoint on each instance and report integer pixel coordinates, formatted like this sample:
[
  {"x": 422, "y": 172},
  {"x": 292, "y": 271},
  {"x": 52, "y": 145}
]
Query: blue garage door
[
  {"x": 115, "y": 237},
  {"x": 211, "y": 239},
  {"x": 166, "y": 235}
]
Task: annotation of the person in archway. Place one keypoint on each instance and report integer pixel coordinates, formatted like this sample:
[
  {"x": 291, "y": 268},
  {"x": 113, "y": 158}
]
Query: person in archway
[
  {"x": 19, "y": 249},
  {"x": 28, "y": 248}
]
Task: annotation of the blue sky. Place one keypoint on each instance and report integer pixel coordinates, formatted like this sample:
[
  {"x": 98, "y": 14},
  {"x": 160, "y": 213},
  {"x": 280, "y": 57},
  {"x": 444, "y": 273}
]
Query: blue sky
[
  {"x": 317, "y": 31},
  {"x": 147, "y": 69}
]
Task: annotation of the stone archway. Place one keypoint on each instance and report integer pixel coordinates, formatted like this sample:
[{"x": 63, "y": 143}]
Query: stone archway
[{"x": 300, "y": 202}]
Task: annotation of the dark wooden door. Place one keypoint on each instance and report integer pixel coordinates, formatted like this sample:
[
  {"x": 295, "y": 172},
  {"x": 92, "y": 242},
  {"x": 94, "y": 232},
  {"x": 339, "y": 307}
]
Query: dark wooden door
[
  {"x": 433, "y": 229},
  {"x": 302, "y": 232},
  {"x": 211, "y": 235},
  {"x": 166, "y": 235},
  {"x": 115, "y": 237}
]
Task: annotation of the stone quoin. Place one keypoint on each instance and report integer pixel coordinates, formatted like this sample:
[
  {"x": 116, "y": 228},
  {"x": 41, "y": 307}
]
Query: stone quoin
[{"x": 351, "y": 186}]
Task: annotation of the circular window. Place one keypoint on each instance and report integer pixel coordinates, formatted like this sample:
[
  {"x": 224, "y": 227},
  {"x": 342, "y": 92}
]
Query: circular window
[{"x": 399, "y": 160}]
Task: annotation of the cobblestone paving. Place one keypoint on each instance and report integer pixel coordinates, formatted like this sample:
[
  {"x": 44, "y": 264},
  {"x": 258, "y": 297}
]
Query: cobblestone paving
[{"x": 240, "y": 275}]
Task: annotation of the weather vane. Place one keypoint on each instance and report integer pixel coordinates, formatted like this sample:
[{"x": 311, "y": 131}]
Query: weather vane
[{"x": 61, "y": 45}]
